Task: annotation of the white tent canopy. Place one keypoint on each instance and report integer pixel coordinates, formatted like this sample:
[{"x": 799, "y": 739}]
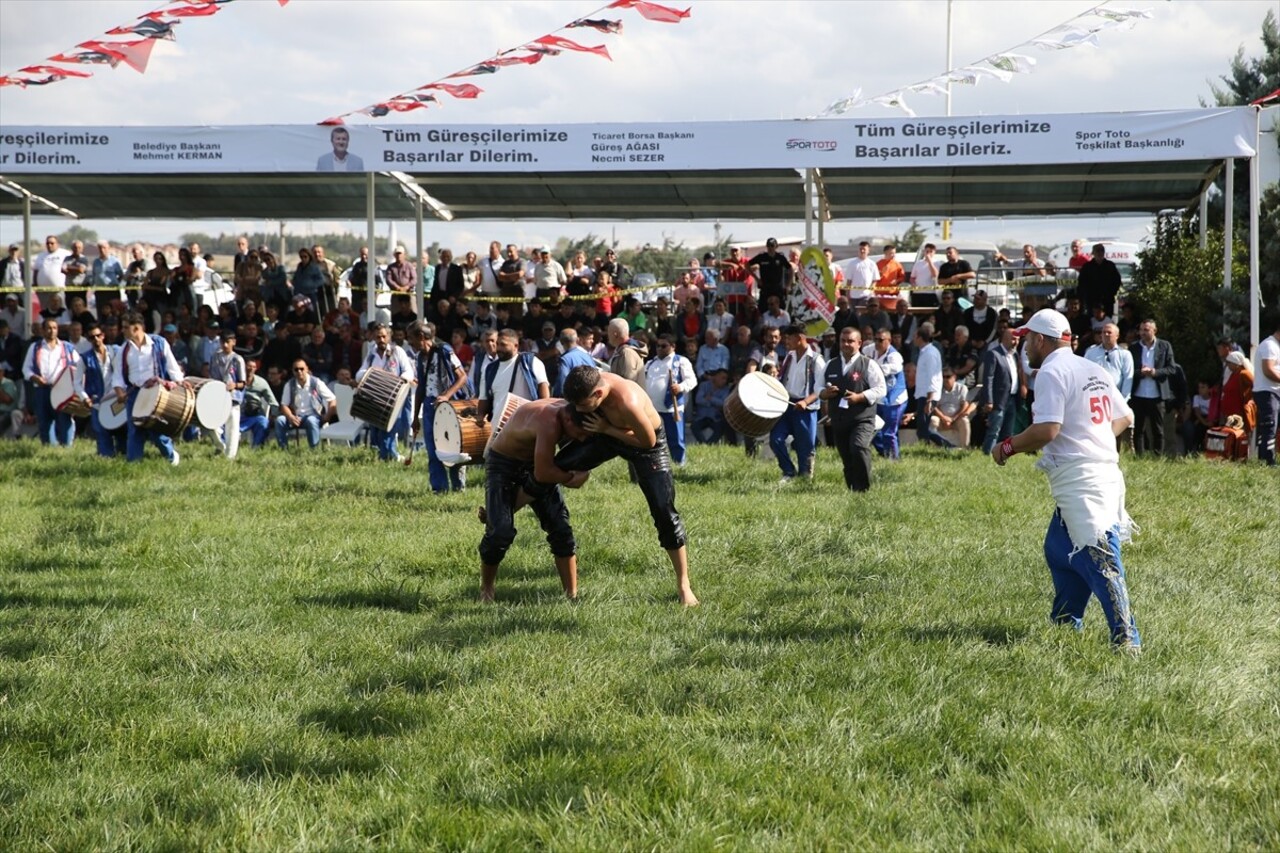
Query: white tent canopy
[{"x": 819, "y": 171}]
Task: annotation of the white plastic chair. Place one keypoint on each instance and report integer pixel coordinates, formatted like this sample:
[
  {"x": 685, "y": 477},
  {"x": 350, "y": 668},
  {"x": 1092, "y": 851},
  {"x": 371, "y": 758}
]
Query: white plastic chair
[{"x": 346, "y": 428}]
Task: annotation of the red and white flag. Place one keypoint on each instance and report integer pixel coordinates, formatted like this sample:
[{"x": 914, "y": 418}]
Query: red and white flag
[
  {"x": 570, "y": 44},
  {"x": 54, "y": 71},
  {"x": 652, "y": 11},
  {"x": 201, "y": 11},
  {"x": 458, "y": 90},
  {"x": 136, "y": 54}
]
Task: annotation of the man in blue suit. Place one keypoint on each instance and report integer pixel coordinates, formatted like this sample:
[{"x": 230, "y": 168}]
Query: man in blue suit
[{"x": 999, "y": 379}]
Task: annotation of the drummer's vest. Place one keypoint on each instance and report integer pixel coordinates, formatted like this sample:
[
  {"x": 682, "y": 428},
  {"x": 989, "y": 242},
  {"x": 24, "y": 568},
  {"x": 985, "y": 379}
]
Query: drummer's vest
[
  {"x": 898, "y": 383},
  {"x": 811, "y": 381},
  {"x": 95, "y": 375},
  {"x": 854, "y": 380},
  {"x": 157, "y": 359},
  {"x": 524, "y": 366},
  {"x": 68, "y": 351},
  {"x": 439, "y": 360}
]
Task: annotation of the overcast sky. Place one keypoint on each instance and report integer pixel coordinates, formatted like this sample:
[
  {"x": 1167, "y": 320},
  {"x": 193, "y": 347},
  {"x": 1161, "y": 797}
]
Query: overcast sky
[{"x": 256, "y": 62}]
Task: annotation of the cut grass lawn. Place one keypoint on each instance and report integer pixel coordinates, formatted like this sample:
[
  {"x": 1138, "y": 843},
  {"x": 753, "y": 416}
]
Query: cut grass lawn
[{"x": 287, "y": 652}]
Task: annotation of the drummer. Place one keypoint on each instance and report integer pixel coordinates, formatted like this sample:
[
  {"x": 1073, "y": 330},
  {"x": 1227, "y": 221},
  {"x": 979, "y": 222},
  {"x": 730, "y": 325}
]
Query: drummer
[
  {"x": 99, "y": 369},
  {"x": 143, "y": 361},
  {"x": 46, "y": 361},
  {"x": 440, "y": 378},
  {"x": 392, "y": 358}
]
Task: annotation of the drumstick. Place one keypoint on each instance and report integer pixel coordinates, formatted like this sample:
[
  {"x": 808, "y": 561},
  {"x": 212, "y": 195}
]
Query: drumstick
[{"x": 413, "y": 443}]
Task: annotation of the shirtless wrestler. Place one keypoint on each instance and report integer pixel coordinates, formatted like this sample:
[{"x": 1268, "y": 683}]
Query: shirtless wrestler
[{"x": 523, "y": 457}]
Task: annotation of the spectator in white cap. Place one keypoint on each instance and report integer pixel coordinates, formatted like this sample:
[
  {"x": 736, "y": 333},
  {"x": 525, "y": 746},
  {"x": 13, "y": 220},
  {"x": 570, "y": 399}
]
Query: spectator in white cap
[
  {"x": 549, "y": 277},
  {"x": 1078, "y": 413}
]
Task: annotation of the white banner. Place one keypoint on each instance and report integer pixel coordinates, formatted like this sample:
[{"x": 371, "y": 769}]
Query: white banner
[{"x": 827, "y": 143}]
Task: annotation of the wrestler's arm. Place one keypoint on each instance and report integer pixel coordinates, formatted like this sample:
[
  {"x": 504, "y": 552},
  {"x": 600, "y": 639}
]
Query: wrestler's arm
[{"x": 545, "y": 469}]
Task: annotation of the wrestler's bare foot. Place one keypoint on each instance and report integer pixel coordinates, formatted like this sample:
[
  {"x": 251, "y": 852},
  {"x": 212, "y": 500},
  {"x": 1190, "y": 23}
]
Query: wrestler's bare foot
[
  {"x": 482, "y": 514},
  {"x": 687, "y": 598},
  {"x": 486, "y": 596}
]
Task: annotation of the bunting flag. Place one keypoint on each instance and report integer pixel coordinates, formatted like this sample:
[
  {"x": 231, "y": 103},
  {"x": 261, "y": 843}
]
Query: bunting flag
[
  {"x": 149, "y": 29},
  {"x": 156, "y": 25},
  {"x": 529, "y": 53},
  {"x": 606, "y": 27},
  {"x": 1080, "y": 31},
  {"x": 54, "y": 70},
  {"x": 569, "y": 44},
  {"x": 458, "y": 90},
  {"x": 204, "y": 10},
  {"x": 652, "y": 11}
]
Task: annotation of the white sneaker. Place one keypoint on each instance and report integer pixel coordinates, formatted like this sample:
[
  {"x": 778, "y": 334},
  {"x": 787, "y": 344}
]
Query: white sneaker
[
  {"x": 785, "y": 481},
  {"x": 177, "y": 457}
]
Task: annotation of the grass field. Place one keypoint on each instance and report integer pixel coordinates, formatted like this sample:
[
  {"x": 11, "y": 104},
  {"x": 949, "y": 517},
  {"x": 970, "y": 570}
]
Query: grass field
[{"x": 287, "y": 652}]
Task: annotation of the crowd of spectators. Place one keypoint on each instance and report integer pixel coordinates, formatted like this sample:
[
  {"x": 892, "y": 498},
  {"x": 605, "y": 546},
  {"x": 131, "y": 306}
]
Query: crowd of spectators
[{"x": 723, "y": 318}]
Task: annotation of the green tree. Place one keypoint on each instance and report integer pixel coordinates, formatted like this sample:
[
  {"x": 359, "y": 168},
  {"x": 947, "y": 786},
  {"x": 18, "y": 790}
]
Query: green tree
[
  {"x": 78, "y": 232},
  {"x": 912, "y": 239},
  {"x": 1179, "y": 285},
  {"x": 1248, "y": 80}
]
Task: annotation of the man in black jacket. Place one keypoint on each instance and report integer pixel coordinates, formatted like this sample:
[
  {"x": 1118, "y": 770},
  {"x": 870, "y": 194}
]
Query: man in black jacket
[
  {"x": 1099, "y": 282},
  {"x": 449, "y": 281}
]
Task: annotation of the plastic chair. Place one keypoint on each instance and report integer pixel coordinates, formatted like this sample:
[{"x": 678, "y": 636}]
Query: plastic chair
[{"x": 346, "y": 428}]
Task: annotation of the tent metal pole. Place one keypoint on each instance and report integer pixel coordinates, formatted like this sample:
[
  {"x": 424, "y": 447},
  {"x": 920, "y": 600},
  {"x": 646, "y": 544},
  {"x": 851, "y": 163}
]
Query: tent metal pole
[
  {"x": 1228, "y": 224},
  {"x": 29, "y": 277},
  {"x": 422, "y": 273},
  {"x": 1255, "y": 215},
  {"x": 371, "y": 273},
  {"x": 1204, "y": 220},
  {"x": 808, "y": 207}
]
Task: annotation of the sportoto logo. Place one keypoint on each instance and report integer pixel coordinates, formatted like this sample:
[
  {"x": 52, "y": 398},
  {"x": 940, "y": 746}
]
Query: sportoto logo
[{"x": 794, "y": 144}]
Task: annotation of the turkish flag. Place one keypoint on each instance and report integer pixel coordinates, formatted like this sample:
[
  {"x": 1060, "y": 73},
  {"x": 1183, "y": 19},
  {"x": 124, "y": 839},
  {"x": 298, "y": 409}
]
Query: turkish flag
[{"x": 136, "y": 54}]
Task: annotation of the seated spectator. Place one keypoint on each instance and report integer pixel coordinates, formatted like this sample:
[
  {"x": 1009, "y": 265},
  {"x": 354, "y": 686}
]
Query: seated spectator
[
  {"x": 708, "y": 407},
  {"x": 307, "y": 404},
  {"x": 1196, "y": 421},
  {"x": 711, "y": 357},
  {"x": 318, "y": 355},
  {"x": 663, "y": 322},
  {"x": 341, "y": 316},
  {"x": 721, "y": 320},
  {"x": 181, "y": 352},
  {"x": 874, "y": 317},
  {"x": 691, "y": 323},
  {"x": 947, "y": 316},
  {"x": 774, "y": 317},
  {"x": 10, "y": 404},
  {"x": 402, "y": 313},
  {"x": 534, "y": 317},
  {"x": 301, "y": 319},
  {"x": 1235, "y": 396},
  {"x": 980, "y": 320},
  {"x": 951, "y": 415},
  {"x": 566, "y": 316},
  {"x": 743, "y": 350},
  {"x": 962, "y": 356},
  {"x": 281, "y": 351},
  {"x": 461, "y": 348}
]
